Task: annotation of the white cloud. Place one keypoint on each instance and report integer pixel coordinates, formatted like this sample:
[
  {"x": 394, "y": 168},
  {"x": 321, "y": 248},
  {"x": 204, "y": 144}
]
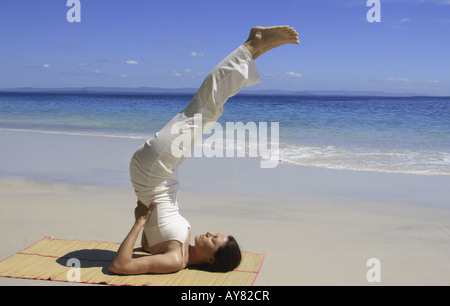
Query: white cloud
[
  {"x": 161, "y": 64},
  {"x": 131, "y": 62},
  {"x": 185, "y": 74},
  {"x": 97, "y": 72},
  {"x": 293, "y": 75},
  {"x": 286, "y": 75},
  {"x": 398, "y": 81},
  {"x": 200, "y": 42},
  {"x": 45, "y": 66},
  {"x": 403, "y": 80},
  {"x": 196, "y": 53}
]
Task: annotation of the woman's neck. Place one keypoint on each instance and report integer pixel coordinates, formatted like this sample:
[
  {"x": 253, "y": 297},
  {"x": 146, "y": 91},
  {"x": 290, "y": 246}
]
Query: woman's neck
[{"x": 193, "y": 258}]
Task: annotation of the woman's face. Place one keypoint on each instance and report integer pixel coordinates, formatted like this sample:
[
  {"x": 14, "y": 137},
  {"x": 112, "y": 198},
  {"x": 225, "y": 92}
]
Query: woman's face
[{"x": 209, "y": 243}]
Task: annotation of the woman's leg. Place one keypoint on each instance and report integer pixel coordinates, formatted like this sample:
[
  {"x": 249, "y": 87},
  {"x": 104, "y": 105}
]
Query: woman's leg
[
  {"x": 263, "y": 39},
  {"x": 224, "y": 81},
  {"x": 153, "y": 167}
]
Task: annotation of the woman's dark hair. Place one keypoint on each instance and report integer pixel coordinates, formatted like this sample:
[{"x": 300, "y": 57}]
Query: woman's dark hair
[{"x": 227, "y": 258}]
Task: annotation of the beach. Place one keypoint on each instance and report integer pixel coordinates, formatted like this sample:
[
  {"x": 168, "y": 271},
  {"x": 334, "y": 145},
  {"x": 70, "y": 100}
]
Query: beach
[
  {"x": 332, "y": 160},
  {"x": 316, "y": 226}
]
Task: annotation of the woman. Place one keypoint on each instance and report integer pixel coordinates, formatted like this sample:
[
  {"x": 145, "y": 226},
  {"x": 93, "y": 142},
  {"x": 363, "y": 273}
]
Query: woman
[{"x": 153, "y": 171}]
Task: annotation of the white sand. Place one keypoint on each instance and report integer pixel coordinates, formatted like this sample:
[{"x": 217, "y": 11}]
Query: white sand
[{"x": 316, "y": 226}]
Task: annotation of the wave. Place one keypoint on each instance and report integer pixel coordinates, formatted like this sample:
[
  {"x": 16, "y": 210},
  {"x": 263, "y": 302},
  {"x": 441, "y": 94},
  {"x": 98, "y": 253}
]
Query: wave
[
  {"x": 330, "y": 157},
  {"x": 343, "y": 158},
  {"x": 90, "y": 133}
]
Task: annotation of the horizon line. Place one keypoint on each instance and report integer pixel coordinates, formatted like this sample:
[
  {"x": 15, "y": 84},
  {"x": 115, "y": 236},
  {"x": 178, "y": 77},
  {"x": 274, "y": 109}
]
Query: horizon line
[{"x": 142, "y": 90}]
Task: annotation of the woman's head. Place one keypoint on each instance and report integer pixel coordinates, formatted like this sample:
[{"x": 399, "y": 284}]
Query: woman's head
[{"x": 221, "y": 253}]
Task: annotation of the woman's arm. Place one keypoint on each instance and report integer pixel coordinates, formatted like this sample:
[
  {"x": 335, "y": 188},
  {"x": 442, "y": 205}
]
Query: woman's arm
[
  {"x": 137, "y": 214},
  {"x": 124, "y": 263},
  {"x": 125, "y": 253}
]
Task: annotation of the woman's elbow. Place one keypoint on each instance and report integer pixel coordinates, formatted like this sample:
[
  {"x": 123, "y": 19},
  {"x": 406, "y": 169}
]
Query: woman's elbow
[
  {"x": 113, "y": 268},
  {"x": 118, "y": 268}
]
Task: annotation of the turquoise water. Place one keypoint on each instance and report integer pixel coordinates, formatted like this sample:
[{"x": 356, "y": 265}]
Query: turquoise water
[{"x": 406, "y": 135}]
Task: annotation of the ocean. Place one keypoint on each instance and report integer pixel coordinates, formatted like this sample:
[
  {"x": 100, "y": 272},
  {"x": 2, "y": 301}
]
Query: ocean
[{"x": 387, "y": 134}]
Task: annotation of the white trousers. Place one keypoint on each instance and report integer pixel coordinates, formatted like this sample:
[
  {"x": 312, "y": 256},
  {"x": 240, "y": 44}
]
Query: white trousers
[{"x": 153, "y": 168}]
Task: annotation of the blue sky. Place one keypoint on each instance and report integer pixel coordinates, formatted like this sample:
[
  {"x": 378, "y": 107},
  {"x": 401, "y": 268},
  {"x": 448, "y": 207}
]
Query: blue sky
[{"x": 173, "y": 44}]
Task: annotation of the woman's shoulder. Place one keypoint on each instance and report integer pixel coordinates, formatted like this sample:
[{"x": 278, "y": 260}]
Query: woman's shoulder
[{"x": 178, "y": 252}]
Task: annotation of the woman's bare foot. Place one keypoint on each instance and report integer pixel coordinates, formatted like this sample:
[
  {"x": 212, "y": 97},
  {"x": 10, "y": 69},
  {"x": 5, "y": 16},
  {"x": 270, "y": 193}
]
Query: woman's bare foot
[{"x": 263, "y": 39}]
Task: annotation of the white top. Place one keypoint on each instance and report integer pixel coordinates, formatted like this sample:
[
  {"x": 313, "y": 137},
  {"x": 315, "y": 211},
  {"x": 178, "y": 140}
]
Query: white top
[{"x": 166, "y": 224}]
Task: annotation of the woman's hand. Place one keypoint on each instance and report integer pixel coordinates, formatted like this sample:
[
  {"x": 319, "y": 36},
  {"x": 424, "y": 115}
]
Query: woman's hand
[
  {"x": 123, "y": 261},
  {"x": 142, "y": 213}
]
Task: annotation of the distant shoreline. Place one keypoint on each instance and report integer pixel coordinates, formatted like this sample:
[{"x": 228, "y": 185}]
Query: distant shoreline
[{"x": 191, "y": 91}]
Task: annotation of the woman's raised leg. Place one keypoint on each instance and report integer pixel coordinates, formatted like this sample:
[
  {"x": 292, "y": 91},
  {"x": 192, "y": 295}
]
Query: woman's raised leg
[{"x": 153, "y": 167}]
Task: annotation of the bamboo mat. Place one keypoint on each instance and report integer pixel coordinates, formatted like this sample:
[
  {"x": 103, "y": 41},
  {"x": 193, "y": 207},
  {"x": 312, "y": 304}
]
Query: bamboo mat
[{"x": 88, "y": 262}]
